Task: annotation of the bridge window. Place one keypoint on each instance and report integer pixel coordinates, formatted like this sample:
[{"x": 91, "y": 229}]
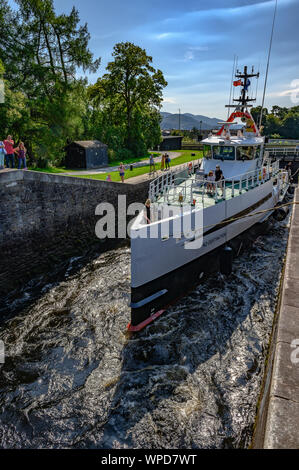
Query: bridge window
[
  {"x": 207, "y": 151},
  {"x": 222, "y": 152},
  {"x": 246, "y": 153}
]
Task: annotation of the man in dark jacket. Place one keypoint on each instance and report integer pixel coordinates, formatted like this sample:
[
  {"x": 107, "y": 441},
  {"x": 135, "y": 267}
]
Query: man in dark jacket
[{"x": 218, "y": 178}]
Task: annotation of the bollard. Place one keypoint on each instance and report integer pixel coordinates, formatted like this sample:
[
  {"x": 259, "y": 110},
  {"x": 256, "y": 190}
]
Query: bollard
[
  {"x": 291, "y": 190},
  {"x": 280, "y": 213}
]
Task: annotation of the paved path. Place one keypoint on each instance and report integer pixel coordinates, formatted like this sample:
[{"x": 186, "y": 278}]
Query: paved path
[
  {"x": 147, "y": 176},
  {"x": 282, "y": 423},
  {"x": 111, "y": 169}
]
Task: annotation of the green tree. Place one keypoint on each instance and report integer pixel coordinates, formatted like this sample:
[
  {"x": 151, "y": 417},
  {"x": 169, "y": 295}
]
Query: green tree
[
  {"x": 42, "y": 52},
  {"x": 132, "y": 92},
  {"x": 14, "y": 110},
  {"x": 194, "y": 133},
  {"x": 290, "y": 124},
  {"x": 256, "y": 114},
  {"x": 279, "y": 112},
  {"x": 272, "y": 125}
]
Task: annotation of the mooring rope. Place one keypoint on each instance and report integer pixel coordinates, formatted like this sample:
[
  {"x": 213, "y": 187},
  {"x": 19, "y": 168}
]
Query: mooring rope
[
  {"x": 292, "y": 176},
  {"x": 234, "y": 219}
]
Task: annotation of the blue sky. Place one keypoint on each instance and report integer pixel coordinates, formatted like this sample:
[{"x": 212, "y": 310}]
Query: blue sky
[{"x": 194, "y": 43}]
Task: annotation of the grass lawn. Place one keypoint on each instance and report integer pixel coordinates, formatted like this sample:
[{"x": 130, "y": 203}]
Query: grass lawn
[
  {"x": 51, "y": 169},
  {"x": 186, "y": 156},
  {"x": 62, "y": 169},
  {"x": 128, "y": 161}
]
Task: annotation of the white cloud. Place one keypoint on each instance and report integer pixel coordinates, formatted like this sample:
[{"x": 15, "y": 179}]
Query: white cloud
[
  {"x": 169, "y": 100},
  {"x": 287, "y": 92},
  {"x": 292, "y": 93},
  {"x": 168, "y": 35}
]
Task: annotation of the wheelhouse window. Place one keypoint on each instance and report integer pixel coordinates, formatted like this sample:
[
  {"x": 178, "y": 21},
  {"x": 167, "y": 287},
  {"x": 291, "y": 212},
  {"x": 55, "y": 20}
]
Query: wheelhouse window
[
  {"x": 246, "y": 153},
  {"x": 207, "y": 151},
  {"x": 223, "y": 152}
]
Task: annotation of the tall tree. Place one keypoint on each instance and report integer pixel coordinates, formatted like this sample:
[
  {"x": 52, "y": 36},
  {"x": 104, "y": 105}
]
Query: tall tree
[
  {"x": 133, "y": 87},
  {"x": 40, "y": 49},
  {"x": 42, "y": 52}
]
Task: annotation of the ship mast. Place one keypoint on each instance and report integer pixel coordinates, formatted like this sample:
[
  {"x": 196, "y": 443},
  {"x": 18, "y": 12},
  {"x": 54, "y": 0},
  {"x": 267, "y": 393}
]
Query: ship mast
[
  {"x": 244, "y": 100},
  {"x": 242, "y": 103}
]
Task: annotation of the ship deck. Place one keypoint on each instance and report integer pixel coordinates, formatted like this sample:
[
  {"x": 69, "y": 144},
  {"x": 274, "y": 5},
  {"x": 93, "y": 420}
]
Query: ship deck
[{"x": 198, "y": 193}]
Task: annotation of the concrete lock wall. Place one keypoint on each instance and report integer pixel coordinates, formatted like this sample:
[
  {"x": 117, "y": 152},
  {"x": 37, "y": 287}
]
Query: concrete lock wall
[{"x": 45, "y": 218}]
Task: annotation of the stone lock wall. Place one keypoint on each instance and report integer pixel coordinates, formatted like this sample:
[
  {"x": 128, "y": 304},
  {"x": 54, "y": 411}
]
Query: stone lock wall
[{"x": 45, "y": 218}]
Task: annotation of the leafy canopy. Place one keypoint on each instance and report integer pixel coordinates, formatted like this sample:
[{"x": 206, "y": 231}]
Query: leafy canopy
[{"x": 131, "y": 94}]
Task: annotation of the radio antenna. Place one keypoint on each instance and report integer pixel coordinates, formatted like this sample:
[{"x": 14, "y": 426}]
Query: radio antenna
[
  {"x": 269, "y": 55},
  {"x": 257, "y": 82},
  {"x": 231, "y": 86},
  {"x": 236, "y": 69}
]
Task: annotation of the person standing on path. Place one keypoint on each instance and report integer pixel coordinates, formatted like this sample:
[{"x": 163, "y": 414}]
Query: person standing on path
[
  {"x": 152, "y": 164},
  {"x": 2, "y": 154},
  {"x": 167, "y": 161},
  {"x": 21, "y": 151},
  {"x": 121, "y": 170},
  {"x": 163, "y": 162},
  {"x": 10, "y": 156}
]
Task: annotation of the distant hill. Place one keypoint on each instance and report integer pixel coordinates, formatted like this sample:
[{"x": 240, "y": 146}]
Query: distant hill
[{"x": 188, "y": 121}]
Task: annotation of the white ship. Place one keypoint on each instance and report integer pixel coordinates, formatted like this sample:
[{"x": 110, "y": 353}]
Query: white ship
[{"x": 195, "y": 218}]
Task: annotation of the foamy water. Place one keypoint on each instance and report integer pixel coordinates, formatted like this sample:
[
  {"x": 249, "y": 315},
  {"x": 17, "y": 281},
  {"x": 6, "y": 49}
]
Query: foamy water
[{"x": 74, "y": 378}]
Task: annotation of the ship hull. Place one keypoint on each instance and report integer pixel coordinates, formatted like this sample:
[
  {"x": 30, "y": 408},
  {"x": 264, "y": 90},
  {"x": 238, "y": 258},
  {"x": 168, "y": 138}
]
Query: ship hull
[
  {"x": 150, "y": 299},
  {"x": 183, "y": 280}
]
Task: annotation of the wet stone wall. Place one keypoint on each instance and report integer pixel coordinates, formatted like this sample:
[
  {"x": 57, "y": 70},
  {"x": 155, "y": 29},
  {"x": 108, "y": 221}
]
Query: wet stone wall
[{"x": 45, "y": 218}]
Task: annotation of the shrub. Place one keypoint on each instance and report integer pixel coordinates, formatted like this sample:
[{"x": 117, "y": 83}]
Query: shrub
[{"x": 124, "y": 154}]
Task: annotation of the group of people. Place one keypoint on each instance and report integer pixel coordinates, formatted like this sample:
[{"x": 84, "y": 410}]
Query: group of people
[
  {"x": 213, "y": 178},
  {"x": 165, "y": 163},
  {"x": 288, "y": 168},
  {"x": 121, "y": 170},
  {"x": 8, "y": 152}
]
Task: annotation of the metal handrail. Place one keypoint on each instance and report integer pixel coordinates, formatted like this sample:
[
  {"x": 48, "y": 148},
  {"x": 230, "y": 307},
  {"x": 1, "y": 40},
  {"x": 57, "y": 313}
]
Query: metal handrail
[
  {"x": 283, "y": 151},
  {"x": 252, "y": 179},
  {"x": 157, "y": 186}
]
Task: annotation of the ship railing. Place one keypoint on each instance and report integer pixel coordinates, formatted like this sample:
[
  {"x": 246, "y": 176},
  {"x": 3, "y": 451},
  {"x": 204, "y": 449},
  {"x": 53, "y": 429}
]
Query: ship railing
[
  {"x": 189, "y": 190},
  {"x": 247, "y": 181},
  {"x": 167, "y": 178},
  {"x": 283, "y": 181},
  {"x": 283, "y": 151}
]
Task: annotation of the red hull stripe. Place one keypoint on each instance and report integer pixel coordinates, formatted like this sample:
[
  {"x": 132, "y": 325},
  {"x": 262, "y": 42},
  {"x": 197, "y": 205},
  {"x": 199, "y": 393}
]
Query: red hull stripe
[{"x": 146, "y": 322}]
